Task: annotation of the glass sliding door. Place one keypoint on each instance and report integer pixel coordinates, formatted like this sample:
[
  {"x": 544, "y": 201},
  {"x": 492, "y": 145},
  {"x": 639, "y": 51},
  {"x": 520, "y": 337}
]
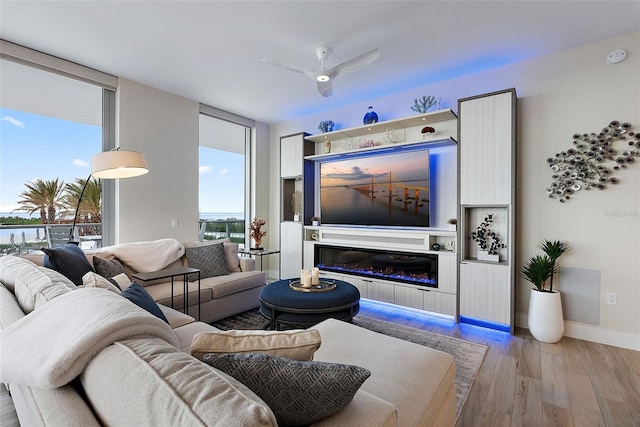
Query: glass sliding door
[
  {"x": 51, "y": 126},
  {"x": 224, "y": 184}
]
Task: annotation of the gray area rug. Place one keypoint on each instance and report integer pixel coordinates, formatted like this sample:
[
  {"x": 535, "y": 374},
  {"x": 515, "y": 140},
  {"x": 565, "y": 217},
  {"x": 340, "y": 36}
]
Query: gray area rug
[{"x": 468, "y": 355}]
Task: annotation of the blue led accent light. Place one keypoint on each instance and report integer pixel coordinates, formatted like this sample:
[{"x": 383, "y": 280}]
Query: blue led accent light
[{"x": 485, "y": 324}]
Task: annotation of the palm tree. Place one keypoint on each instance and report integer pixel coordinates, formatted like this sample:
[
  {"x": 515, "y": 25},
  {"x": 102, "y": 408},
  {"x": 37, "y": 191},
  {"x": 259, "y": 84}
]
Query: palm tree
[
  {"x": 91, "y": 206},
  {"x": 44, "y": 197}
]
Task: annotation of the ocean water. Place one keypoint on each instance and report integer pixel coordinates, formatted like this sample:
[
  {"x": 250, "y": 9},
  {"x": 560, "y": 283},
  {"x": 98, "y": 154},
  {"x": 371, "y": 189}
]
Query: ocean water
[{"x": 37, "y": 234}]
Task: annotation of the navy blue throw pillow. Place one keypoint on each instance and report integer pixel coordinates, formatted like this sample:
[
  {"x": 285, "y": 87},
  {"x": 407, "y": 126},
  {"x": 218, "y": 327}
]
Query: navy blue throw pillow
[
  {"x": 140, "y": 297},
  {"x": 68, "y": 260}
]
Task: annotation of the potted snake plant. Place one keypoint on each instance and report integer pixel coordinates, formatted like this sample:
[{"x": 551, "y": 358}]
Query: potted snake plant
[{"x": 545, "y": 318}]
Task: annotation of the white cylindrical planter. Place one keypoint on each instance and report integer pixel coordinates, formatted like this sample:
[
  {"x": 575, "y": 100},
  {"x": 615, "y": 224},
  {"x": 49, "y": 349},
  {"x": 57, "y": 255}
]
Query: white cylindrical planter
[{"x": 545, "y": 316}]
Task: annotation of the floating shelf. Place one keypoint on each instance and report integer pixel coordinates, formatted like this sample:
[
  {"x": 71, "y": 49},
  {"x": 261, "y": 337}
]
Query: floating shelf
[
  {"x": 401, "y": 146},
  {"x": 407, "y": 122}
]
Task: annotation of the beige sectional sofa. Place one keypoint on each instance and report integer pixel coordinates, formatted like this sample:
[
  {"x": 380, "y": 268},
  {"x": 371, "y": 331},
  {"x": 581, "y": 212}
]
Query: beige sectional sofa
[
  {"x": 220, "y": 296},
  {"x": 149, "y": 381}
]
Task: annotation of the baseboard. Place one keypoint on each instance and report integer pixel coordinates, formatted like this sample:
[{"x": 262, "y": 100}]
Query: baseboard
[{"x": 591, "y": 333}]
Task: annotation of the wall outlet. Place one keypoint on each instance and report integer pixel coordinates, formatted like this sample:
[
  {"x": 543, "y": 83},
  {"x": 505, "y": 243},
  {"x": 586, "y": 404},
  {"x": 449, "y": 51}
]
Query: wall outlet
[
  {"x": 612, "y": 298},
  {"x": 174, "y": 222}
]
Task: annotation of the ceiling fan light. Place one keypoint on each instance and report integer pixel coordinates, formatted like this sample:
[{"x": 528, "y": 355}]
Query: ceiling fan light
[{"x": 323, "y": 78}]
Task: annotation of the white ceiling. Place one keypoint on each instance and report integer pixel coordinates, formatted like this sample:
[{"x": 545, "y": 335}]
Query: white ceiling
[{"x": 210, "y": 51}]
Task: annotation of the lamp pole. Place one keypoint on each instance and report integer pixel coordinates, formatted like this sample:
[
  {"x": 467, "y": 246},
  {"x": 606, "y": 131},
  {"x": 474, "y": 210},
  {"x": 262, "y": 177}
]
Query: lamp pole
[{"x": 75, "y": 217}]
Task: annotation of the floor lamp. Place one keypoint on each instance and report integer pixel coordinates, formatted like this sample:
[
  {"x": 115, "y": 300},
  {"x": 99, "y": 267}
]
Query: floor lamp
[{"x": 114, "y": 164}]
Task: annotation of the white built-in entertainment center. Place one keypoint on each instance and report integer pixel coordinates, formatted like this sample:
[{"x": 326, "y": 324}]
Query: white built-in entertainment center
[{"x": 471, "y": 174}]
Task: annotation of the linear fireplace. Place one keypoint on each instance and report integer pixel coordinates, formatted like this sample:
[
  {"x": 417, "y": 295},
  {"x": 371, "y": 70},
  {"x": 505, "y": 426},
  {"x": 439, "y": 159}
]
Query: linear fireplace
[{"x": 416, "y": 269}]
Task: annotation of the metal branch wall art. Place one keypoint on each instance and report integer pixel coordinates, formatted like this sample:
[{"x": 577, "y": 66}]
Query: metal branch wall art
[{"x": 592, "y": 160}]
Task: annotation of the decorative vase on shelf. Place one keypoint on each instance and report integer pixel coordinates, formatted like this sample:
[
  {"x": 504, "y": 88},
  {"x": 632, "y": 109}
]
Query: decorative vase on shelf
[
  {"x": 327, "y": 147},
  {"x": 370, "y": 117},
  {"x": 483, "y": 255}
]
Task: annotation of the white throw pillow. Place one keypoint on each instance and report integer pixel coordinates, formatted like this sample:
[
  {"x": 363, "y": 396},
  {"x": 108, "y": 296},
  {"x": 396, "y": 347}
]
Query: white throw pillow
[
  {"x": 94, "y": 280},
  {"x": 298, "y": 344},
  {"x": 122, "y": 280}
]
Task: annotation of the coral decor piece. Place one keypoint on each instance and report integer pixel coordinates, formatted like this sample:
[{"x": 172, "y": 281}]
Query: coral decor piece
[
  {"x": 255, "y": 231},
  {"x": 422, "y": 105},
  {"x": 592, "y": 160},
  {"x": 366, "y": 143}
]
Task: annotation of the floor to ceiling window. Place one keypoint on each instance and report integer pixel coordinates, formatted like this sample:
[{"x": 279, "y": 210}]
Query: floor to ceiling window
[
  {"x": 223, "y": 179},
  {"x": 50, "y": 127}
]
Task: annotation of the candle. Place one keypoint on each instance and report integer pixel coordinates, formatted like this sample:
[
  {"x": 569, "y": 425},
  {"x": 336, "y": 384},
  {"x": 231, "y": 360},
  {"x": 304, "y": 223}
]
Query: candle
[
  {"x": 315, "y": 276},
  {"x": 306, "y": 282},
  {"x": 302, "y": 274}
]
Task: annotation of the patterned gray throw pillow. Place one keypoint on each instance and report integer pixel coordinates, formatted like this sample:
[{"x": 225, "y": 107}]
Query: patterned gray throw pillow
[
  {"x": 107, "y": 268},
  {"x": 209, "y": 259},
  {"x": 298, "y": 393}
]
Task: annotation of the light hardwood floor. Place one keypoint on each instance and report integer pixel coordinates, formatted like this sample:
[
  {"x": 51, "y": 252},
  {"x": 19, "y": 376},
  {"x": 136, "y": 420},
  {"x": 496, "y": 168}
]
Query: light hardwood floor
[{"x": 523, "y": 382}]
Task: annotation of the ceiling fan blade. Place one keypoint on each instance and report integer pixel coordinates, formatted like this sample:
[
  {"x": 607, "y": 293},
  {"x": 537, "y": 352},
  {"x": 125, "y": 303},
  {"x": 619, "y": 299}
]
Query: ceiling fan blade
[
  {"x": 355, "y": 63},
  {"x": 325, "y": 88},
  {"x": 291, "y": 67}
]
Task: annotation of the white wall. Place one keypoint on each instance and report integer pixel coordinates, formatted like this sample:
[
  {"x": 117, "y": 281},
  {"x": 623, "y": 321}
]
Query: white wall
[
  {"x": 559, "y": 94},
  {"x": 164, "y": 127}
]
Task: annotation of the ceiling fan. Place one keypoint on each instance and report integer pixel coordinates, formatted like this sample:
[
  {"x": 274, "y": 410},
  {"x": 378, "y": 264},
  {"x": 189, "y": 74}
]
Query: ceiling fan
[{"x": 324, "y": 76}]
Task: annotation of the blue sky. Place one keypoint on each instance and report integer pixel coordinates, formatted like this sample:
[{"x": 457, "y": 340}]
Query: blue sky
[{"x": 34, "y": 146}]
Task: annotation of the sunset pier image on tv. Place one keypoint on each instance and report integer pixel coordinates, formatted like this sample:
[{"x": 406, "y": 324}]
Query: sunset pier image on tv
[{"x": 389, "y": 189}]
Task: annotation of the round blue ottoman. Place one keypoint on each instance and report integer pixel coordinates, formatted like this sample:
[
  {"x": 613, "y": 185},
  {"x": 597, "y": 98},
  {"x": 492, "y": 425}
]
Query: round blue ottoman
[{"x": 285, "y": 306}]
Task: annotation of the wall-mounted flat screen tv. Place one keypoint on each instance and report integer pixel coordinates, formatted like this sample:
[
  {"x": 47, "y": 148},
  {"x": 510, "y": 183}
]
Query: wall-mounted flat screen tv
[{"x": 386, "y": 189}]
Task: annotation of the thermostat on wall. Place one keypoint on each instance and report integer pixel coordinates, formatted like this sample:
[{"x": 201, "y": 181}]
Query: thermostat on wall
[{"x": 616, "y": 55}]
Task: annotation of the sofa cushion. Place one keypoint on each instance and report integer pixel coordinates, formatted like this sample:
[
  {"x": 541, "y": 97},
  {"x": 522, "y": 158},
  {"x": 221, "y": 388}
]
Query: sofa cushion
[
  {"x": 107, "y": 267},
  {"x": 176, "y": 318},
  {"x": 209, "y": 259},
  {"x": 68, "y": 260},
  {"x": 137, "y": 295},
  {"x": 295, "y": 344},
  {"x": 94, "y": 280},
  {"x": 162, "y": 386},
  {"x": 299, "y": 393},
  {"x": 10, "y": 266},
  {"x": 161, "y": 293},
  {"x": 226, "y": 285},
  {"x": 36, "y": 285},
  {"x": 419, "y": 390}
]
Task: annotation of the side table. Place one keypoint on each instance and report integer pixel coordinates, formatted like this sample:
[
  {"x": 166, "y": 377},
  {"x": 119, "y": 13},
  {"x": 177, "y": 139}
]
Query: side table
[
  {"x": 171, "y": 273},
  {"x": 258, "y": 253}
]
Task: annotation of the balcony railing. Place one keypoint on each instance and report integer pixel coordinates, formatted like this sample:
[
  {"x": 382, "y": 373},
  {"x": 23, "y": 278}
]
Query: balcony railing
[
  {"x": 218, "y": 229},
  {"x": 25, "y": 238}
]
